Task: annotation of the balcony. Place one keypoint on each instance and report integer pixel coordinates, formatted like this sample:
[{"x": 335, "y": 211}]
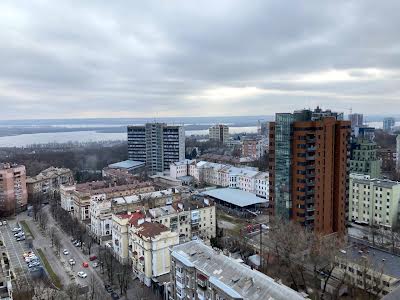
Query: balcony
[
  {"x": 310, "y": 192},
  {"x": 310, "y": 157}
]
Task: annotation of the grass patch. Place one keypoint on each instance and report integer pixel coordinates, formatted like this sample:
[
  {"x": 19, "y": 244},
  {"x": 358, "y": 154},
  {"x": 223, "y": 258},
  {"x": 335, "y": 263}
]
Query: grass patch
[
  {"x": 27, "y": 229},
  {"x": 54, "y": 278}
]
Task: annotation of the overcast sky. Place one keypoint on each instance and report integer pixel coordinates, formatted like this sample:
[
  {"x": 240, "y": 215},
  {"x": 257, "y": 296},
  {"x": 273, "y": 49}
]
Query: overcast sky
[{"x": 62, "y": 59}]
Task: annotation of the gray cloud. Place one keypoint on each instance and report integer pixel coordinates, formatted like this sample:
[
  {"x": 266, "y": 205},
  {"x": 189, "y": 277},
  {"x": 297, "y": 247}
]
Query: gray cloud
[{"x": 191, "y": 58}]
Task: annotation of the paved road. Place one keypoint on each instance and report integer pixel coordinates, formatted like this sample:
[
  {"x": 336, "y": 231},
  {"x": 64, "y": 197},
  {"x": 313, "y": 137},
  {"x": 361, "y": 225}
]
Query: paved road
[{"x": 93, "y": 277}]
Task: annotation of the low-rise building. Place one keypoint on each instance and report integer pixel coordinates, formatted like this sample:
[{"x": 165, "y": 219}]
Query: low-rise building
[
  {"x": 192, "y": 218},
  {"x": 370, "y": 269},
  {"x": 103, "y": 208},
  {"x": 77, "y": 198},
  {"x": 13, "y": 192},
  {"x": 374, "y": 201},
  {"x": 46, "y": 184},
  {"x": 388, "y": 158},
  {"x": 200, "y": 272},
  {"x": 120, "y": 233},
  {"x": 149, "y": 243}
]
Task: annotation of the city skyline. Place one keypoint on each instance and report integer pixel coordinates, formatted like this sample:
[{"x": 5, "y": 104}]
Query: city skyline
[{"x": 80, "y": 60}]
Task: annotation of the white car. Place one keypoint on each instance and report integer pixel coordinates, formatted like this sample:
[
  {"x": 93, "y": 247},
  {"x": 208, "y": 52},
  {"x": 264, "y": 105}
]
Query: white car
[
  {"x": 16, "y": 229},
  {"x": 34, "y": 264},
  {"x": 65, "y": 252},
  {"x": 82, "y": 274},
  {"x": 95, "y": 265},
  {"x": 72, "y": 262},
  {"x": 4, "y": 222}
]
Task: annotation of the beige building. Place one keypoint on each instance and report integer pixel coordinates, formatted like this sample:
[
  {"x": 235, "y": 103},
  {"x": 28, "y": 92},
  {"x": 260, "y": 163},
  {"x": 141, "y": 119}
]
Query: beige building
[
  {"x": 367, "y": 268},
  {"x": 13, "y": 192},
  {"x": 102, "y": 208},
  {"x": 200, "y": 272},
  {"x": 149, "y": 243},
  {"x": 48, "y": 182},
  {"x": 219, "y": 133},
  {"x": 374, "y": 201},
  {"x": 189, "y": 219},
  {"x": 120, "y": 233}
]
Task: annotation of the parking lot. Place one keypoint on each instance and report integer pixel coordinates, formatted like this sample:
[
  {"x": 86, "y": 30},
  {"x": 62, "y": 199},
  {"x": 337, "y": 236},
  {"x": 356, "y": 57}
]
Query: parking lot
[{"x": 15, "y": 251}]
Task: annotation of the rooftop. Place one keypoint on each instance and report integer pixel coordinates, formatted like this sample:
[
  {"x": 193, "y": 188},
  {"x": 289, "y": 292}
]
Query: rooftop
[
  {"x": 150, "y": 230},
  {"x": 48, "y": 173},
  {"x": 234, "y": 196},
  {"x": 100, "y": 187},
  {"x": 380, "y": 260},
  {"x": 232, "y": 277},
  {"x": 127, "y": 164}
]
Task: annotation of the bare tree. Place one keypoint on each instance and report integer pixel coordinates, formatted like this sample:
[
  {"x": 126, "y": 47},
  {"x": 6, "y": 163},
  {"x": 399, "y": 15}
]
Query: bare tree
[
  {"x": 73, "y": 291},
  {"x": 123, "y": 270},
  {"x": 57, "y": 243},
  {"x": 52, "y": 234},
  {"x": 88, "y": 242},
  {"x": 43, "y": 220}
]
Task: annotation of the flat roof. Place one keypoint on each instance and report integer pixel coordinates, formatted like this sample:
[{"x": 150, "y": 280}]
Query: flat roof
[
  {"x": 235, "y": 196},
  {"x": 237, "y": 280},
  {"x": 127, "y": 164}
]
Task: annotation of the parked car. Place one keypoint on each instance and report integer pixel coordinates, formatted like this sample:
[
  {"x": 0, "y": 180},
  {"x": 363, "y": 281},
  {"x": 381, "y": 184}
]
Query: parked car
[
  {"x": 85, "y": 264},
  {"x": 34, "y": 264},
  {"x": 95, "y": 265},
  {"x": 1, "y": 223},
  {"x": 78, "y": 244},
  {"x": 18, "y": 234},
  {"x": 65, "y": 252},
  {"x": 114, "y": 296},
  {"x": 4, "y": 222},
  {"x": 82, "y": 274},
  {"x": 21, "y": 238},
  {"x": 31, "y": 259},
  {"x": 93, "y": 257},
  {"x": 72, "y": 262},
  {"x": 16, "y": 229},
  {"x": 108, "y": 288}
]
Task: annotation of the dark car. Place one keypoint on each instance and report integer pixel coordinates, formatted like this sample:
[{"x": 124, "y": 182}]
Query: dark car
[
  {"x": 108, "y": 288},
  {"x": 114, "y": 296},
  {"x": 93, "y": 257}
]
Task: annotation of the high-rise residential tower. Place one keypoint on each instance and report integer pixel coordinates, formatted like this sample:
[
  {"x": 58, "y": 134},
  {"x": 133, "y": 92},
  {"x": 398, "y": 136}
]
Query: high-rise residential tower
[
  {"x": 398, "y": 152},
  {"x": 156, "y": 144},
  {"x": 308, "y": 158},
  {"x": 357, "y": 120},
  {"x": 219, "y": 133},
  {"x": 388, "y": 124},
  {"x": 364, "y": 158},
  {"x": 13, "y": 192}
]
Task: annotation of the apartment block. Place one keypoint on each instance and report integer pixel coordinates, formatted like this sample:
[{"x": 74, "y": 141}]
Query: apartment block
[
  {"x": 219, "y": 133},
  {"x": 388, "y": 124},
  {"x": 13, "y": 192},
  {"x": 46, "y": 184},
  {"x": 374, "y": 201},
  {"x": 244, "y": 178},
  {"x": 388, "y": 159},
  {"x": 191, "y": 218},
  {"x": 200, "y": 272},
  {"x": 308, "y": 157},
  {"x": 149, "y": 245},
  {"x": 77, "y": 198},
  {"x": 357, "y": 120},
  {"x": 364, "y": 158},
  {"x": 103, "y": 208},
  {"x": 156, "y": 144}
]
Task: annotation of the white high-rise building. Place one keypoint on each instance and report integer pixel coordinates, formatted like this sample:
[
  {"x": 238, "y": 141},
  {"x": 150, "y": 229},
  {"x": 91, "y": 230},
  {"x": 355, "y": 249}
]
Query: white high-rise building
[{"x": 156, "y": 144}]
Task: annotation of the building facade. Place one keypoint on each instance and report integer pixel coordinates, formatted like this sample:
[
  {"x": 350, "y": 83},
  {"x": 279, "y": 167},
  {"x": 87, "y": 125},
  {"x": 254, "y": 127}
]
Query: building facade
[
  {"x": 357, "y": 120},
  {"x": 13, "y": 191},
  {"x": 156, "y": 144},
  {"x": 374, "y": 201},
  {"x": 200, "y": 272},
  {"x": 364, "y": 159},
  {"x": 398, "y": 153},
  {"x": 219, "y": 133},
  {"x": 46, "y": 184},
  {"x": 308, "y": 157},
  {"x": 388, "y": 124},
  {"x": 149, "y": 245},
  {"x": 388, "y": 158}
]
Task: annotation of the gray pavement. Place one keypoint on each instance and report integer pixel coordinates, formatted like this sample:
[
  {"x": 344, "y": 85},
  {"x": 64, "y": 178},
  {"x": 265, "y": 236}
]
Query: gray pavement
[{"x": 15, "y": 251}]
